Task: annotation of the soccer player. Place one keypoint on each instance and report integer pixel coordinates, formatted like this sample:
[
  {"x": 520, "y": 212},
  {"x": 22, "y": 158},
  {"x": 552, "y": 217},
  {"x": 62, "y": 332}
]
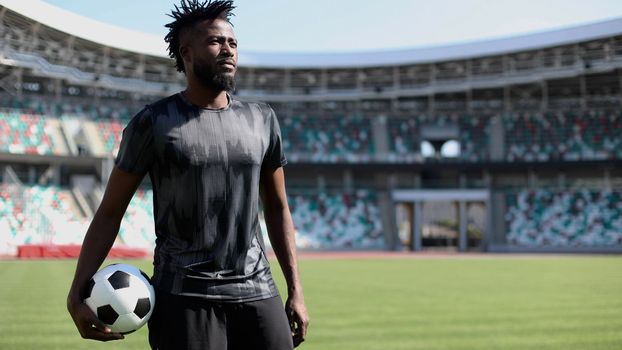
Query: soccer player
[{"x": 210, "y": 158}]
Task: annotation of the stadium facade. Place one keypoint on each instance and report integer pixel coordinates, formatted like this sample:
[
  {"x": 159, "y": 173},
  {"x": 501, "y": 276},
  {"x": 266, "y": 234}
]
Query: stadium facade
[{"x": 512, "y": 144}]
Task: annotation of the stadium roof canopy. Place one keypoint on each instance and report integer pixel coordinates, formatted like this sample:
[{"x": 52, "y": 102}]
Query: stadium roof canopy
[{"x": 148, "y": 44}]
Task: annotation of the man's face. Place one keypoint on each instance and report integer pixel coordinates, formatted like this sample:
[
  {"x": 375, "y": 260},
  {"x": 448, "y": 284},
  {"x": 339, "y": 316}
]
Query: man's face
[{"x": 213, "y": 55}]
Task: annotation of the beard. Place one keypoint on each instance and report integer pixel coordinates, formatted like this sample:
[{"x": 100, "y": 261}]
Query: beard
[{"x": 214, "y": 80}]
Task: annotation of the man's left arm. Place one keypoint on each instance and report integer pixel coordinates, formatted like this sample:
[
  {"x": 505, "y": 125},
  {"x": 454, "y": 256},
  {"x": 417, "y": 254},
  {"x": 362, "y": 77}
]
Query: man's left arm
[{"x": 281, "y": 233}]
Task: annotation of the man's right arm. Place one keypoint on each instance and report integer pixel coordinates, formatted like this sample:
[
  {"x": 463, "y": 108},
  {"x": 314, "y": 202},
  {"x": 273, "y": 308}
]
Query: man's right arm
[{"x": 99, "y": 238}]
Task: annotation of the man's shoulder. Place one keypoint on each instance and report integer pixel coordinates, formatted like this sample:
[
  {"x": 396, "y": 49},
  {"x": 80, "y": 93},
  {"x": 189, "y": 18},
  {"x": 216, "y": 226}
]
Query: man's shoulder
[
  {"x": 260, "y": 107},
  {"x": 157, "y": 108},
  {"x": 162, "y": 103},
  {"x": 146, "y": 116}
]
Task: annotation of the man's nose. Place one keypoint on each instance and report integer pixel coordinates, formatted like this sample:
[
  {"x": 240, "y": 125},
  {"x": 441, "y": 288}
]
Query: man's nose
[{"x": 227, "y": 49}]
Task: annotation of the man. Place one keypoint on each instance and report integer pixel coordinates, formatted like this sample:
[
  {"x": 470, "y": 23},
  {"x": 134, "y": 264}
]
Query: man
[{"x": 209, "y": 159}]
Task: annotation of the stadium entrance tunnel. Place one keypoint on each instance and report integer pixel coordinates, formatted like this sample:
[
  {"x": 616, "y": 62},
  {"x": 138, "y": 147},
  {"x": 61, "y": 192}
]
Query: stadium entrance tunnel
[{"x": 443, "y": 219}]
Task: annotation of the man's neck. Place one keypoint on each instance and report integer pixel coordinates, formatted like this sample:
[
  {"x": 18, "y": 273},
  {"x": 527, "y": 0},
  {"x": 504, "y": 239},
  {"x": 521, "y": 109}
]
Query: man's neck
[{"x": 206, "y": 97}]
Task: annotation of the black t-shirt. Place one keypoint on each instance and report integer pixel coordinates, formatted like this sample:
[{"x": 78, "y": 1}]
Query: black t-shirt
[{"x": 205, "y": 165}]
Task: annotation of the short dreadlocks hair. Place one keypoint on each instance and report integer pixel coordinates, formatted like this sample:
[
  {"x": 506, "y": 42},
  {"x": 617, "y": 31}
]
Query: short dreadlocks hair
[{"x": 186, "y": 15}]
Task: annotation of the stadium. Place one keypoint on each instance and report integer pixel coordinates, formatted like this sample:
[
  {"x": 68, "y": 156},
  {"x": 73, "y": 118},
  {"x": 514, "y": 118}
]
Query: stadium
[
  {"x": 512, "y": 145},
  {"x": 505, "y": 145}
]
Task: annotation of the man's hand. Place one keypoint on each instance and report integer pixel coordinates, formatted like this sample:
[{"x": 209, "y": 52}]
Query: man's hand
[
  {"x": 88, "y": 325},
  {"x": 298, "y": 317}
]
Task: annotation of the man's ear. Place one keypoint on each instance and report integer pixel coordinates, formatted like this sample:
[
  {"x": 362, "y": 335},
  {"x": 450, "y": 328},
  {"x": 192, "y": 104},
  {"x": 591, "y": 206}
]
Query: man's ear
[{"x": 184, "y": 53}]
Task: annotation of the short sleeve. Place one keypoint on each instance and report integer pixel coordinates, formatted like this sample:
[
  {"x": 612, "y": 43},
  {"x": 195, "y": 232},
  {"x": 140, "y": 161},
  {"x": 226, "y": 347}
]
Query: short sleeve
[
  {"x": 136, "y": 152},
  {"x": 274, "y": 157}
]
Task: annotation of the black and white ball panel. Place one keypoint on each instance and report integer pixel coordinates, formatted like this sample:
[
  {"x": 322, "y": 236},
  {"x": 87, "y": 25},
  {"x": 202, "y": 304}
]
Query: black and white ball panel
[{"x": 119, "y": 279}]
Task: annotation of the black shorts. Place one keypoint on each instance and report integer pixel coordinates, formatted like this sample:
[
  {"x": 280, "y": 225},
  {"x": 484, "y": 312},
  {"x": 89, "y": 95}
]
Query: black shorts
[{"x": 181, "y": 322}]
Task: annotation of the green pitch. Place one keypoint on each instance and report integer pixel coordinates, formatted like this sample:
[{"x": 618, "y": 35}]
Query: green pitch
[{"x": 491, "y": 302}]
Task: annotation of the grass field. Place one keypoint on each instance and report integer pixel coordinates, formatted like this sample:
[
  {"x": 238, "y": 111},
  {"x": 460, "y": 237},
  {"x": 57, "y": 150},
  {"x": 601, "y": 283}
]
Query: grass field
[{"x": 492, "y": 302}]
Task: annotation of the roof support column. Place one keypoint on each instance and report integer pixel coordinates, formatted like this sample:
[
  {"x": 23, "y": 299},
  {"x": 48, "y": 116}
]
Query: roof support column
[{"x": 462, "y": 213}]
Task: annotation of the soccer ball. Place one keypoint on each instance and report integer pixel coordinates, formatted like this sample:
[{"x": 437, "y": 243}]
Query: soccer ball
[{"x": 121, "y": 296}]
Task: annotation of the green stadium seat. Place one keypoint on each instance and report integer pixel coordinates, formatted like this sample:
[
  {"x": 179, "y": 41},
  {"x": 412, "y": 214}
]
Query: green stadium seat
[{"x": 570, "y": 218}]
